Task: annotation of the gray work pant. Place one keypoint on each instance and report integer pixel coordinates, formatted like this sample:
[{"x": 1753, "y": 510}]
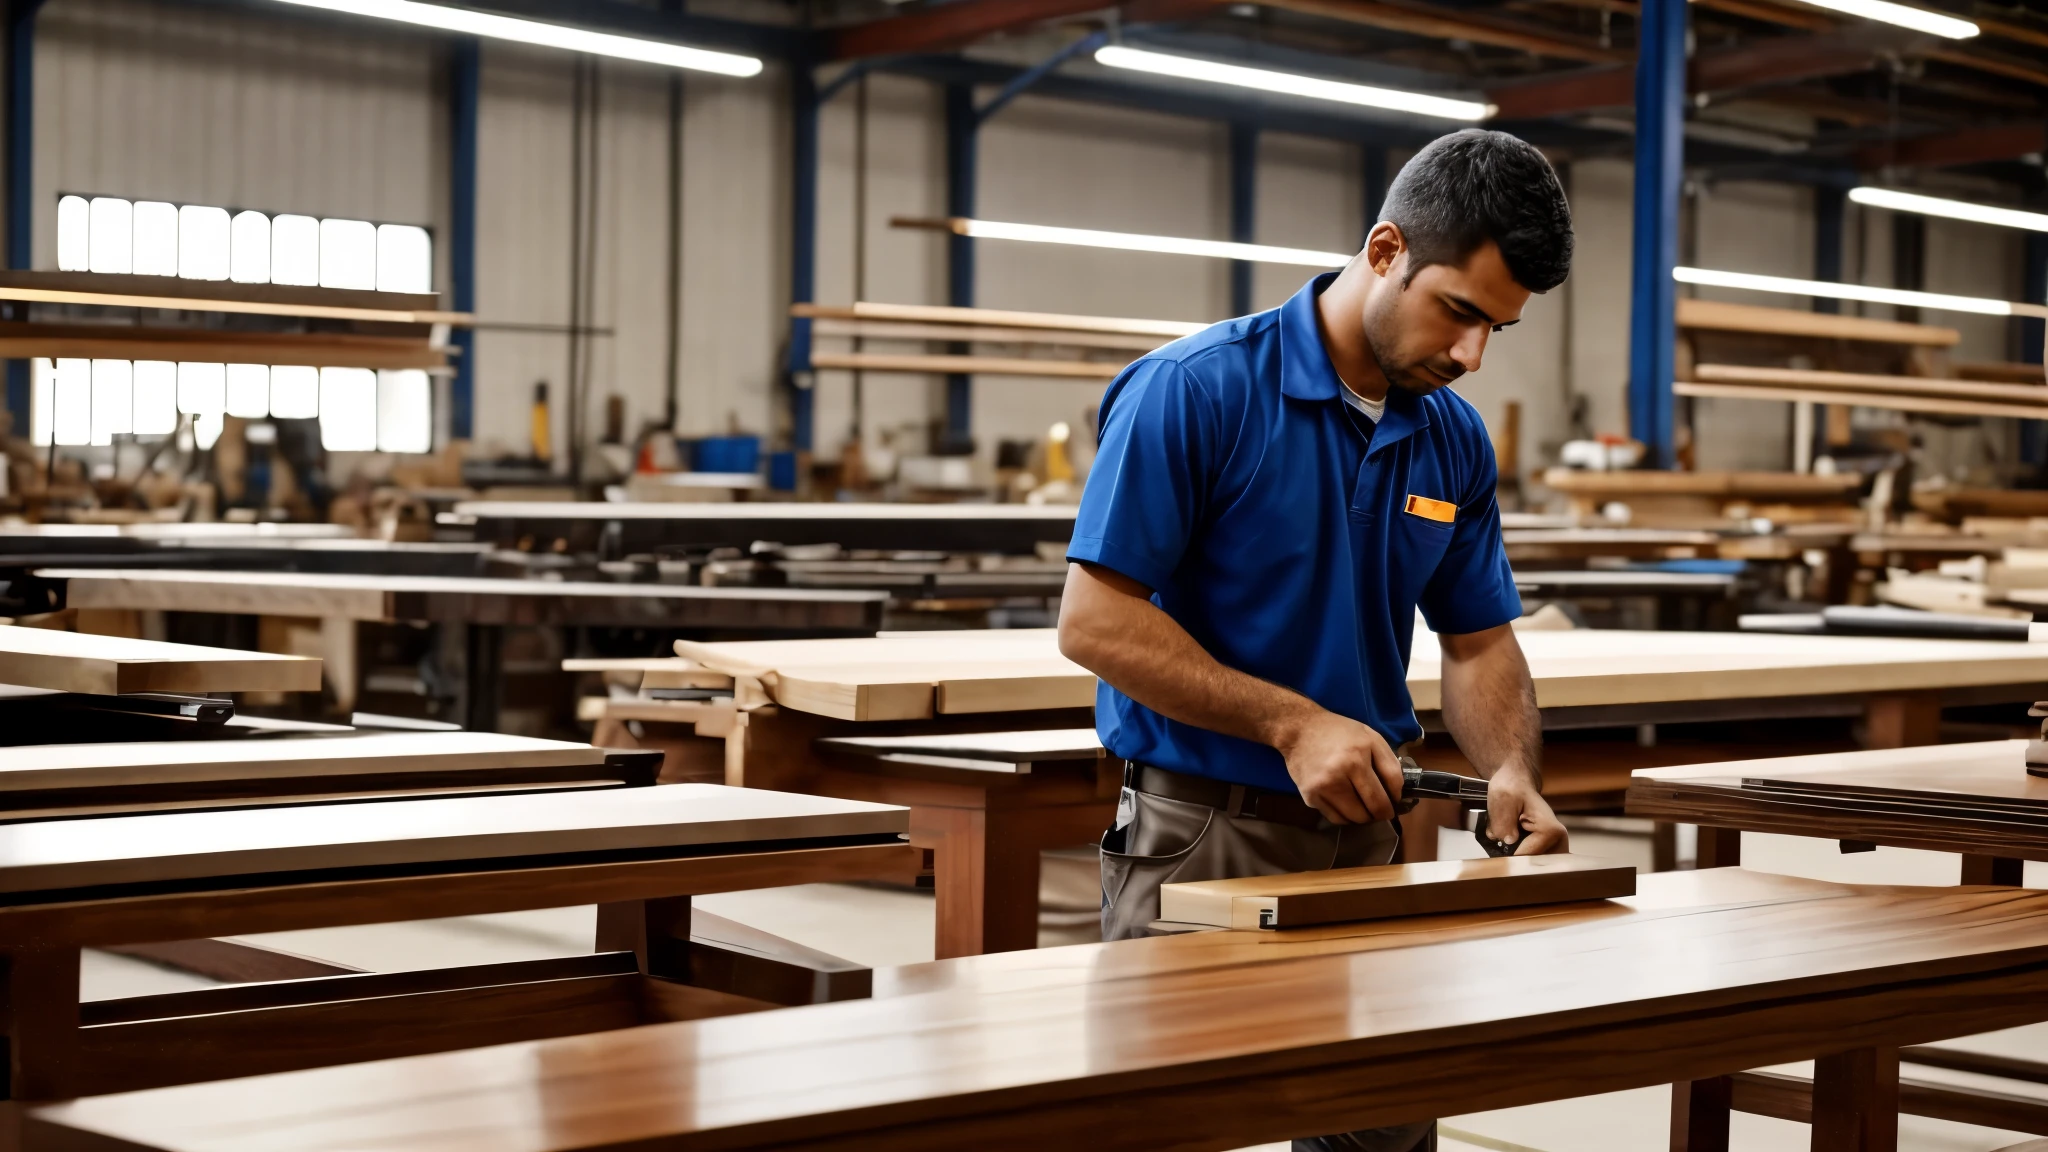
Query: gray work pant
[{"x": 1172, "y": 840}]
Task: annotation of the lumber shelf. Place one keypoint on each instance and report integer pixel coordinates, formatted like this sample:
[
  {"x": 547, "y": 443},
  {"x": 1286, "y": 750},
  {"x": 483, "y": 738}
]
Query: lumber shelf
[
  {"x": 1898, "y": 402},
  {"x": 1756, "y": 318},
  {"x": 996, "y": 317},
  {"x": 1870, "y": 382},
  {"x": 1772, "y": 485},
  {"x": 947, "y": 364}
]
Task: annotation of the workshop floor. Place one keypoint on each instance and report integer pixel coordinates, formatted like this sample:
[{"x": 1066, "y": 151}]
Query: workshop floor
[{"x": 882, "y": 926}]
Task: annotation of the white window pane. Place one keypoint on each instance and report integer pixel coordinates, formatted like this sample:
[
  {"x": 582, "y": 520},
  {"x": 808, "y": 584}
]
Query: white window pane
[
  {"x": 71, "y": 413},
  {"x": 294, "y": 250},
  {"x": 202, "y": 243},
  {"x": 202, "y": 388},
  {"x": 156, "y": 397},
  {"x": 42, "y": 401},
  {"x": 405, "y": 411},
  {"x": 348, "y": 254},
  {"x": 294, "y": 391},
  {"x": 405, "y": 259},
  {"x": 74, "y": 225},
  {"x": 112, "y": 235},
  {"x": 249, "y": 248},
  {"x": 249, "y": 391},
  {"x": 113, "y": 399},
  {"x": 348, "y": 409},
  {"x": 206, "y": 429},
  {"x": 156, "y": 238}
]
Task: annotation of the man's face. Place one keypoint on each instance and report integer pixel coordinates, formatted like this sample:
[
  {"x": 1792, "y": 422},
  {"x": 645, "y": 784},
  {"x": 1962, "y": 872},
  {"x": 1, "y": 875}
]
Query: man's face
[{"x": 1433, "y": 329}]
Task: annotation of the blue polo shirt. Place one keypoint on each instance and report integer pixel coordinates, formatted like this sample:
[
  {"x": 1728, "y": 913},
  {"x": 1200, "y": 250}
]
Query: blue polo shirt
[{"x": 1292, "y": 538}]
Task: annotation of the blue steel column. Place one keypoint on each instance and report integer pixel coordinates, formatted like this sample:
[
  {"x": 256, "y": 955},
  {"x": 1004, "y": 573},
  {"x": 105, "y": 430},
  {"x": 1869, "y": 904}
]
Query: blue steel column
[
  {"x": 465, "y": 67},
  {"x": 803, "y": 272},
  {"x": 1244, "y": 209},
  {"x": 1373, "y": 167},
  {"x": 21, "y": 154},
  {"x": 1660, "y": 155},
  {"x": 962, "y": 123}
]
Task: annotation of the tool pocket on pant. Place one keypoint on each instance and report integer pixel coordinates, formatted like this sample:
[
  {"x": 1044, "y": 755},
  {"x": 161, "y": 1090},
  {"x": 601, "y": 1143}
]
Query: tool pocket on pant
[{"x": 1145, "y": 853}]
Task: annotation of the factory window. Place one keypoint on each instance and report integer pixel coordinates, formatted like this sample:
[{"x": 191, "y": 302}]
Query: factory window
[{"x": 83, "y": 402}]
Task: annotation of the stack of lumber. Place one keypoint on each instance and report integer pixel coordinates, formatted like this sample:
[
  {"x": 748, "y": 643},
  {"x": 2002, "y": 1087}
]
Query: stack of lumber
[
  {"x": 1006, "y": 343},
  {"x": 1682, "y": 499},
  {"x": 98, "y": 315}
]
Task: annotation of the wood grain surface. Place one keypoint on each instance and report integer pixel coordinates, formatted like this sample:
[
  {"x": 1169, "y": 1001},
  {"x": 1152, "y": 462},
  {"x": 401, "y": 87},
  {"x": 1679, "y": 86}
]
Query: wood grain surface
[
  {"x": 1970, "y": 798},
  {"x": 902, "y": 676},
  {"x": 75, "y": 854},
  {"x": 51, "y": 766},
  {"x": 1723, "y": 316},
  {"x": 1154, "y": 1044},
  {"x": 114, "y": 665},
  {"x": 474, "y": 600},
  {"x": 1303, "y": 899}
]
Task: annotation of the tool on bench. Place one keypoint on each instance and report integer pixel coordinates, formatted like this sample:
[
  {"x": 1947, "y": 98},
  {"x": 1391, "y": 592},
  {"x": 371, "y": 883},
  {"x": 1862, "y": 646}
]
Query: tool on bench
[{"x": 1419, "y": 783}]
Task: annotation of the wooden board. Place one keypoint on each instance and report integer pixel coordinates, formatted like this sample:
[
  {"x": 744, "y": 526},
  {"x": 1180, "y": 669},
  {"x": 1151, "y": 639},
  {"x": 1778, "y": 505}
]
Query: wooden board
[
  {"x": 1304, "y": 899},
  {"x": 193, "y": 846},
  {"x": 81, "y": 766},
  {"x": 1890, "y": 400},
  {"x": 838, "y": 513},
  {"x": 1752, "y": 485},
  {"x": 946, "y": 364},
  {"x": 2033, "y": 394},
  {"x": 1204, "y": 1040},
  {"x": 1725, "y": 317},
  {"x": 996, "y": 317},
  {"x": 908, "y": 331},
  {"x": 113, "y": 665},
  {"x": 473, "y": 600},
  {"x": 1039, "y": 744}
]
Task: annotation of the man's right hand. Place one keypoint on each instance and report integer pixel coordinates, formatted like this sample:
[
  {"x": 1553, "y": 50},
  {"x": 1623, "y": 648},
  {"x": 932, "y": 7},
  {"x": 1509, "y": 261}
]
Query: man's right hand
[{"x": 1344, "y": 769}]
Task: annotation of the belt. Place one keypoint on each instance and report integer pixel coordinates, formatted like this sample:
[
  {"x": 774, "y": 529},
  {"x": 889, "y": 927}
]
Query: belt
[{"x": 1241, "y": 800}]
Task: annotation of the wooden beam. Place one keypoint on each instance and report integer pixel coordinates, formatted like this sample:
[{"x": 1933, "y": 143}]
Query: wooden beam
[
  {"x": 1870, "y": 382},
  {"x": 1996, "y": 65},
  {"x": 1896, "y": 403},
  {"x": 946, "y": 365},
  {"x": 997, "y": 317},
  {"x": 1470, "y": 26},
  {"x": 240, "y": 307},
  {"x": 1722, "y": 316},
  {"x": 946, "y": 26},
  {"x": 1763, "y": 63}
]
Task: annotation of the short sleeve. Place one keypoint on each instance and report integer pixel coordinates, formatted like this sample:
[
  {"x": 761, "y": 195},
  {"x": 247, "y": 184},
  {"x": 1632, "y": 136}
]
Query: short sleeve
[
  {"x": 1149, "y": 483},
  {"x": 1473, "y": 588}
]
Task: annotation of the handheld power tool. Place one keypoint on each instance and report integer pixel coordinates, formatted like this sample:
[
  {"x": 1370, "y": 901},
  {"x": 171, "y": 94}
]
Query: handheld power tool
[{"x": 1419, "y": 783}]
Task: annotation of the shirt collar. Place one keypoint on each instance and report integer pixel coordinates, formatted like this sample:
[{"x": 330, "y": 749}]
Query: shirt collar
[{"x": 1306, "y": 373}]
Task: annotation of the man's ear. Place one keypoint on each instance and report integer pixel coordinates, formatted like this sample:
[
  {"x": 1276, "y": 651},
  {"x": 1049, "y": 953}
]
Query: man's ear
[{"x": 1384, "y": 245}]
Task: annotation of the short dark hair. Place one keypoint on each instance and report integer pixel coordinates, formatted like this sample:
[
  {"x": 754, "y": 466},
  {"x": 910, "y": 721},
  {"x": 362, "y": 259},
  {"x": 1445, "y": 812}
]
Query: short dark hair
[{"x": 1472, "y": 186}]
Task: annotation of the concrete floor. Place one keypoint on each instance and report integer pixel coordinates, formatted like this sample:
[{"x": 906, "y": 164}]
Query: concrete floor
[{"x": 882, "y": 926}]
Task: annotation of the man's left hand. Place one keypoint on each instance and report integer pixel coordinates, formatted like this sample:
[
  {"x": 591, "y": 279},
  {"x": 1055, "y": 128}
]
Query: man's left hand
[{"x": 1521, "y": 816}]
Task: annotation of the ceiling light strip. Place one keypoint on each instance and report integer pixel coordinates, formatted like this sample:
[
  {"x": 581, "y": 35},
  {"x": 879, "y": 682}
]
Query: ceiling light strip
[
  {"x": 1905, "y": 16},
  {"x": 1127, "y": 241},
  {"x": 1870, "y": 295},
  {"x": 543, "y": 34},
  {"x": 1952, "y": 209},
  {"x": 1290, "y": 84}
]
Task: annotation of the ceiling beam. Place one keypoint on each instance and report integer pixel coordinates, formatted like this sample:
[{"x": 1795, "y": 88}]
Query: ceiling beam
[
  {"x": 1447, "y": 25},
  {"x": 952, "y": 25},
  {"x": 1967, "y": 146},
  {"x": 1764, "y": 63},
  {"x": 1997, "y": 66}
]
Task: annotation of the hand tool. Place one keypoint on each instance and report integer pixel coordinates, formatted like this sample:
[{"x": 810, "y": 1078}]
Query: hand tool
[{"x": 1419, "y": 783}]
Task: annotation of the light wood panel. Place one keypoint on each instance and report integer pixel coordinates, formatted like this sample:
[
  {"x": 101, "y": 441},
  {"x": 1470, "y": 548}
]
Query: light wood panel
[
  {"x": 1207, "y": 1041},
  {"x": 114, "y": 665},
  {"x": 70, "y": 854},
  {"x": 1891, "y": 400},
  {"x": 67, "y": 766},
  {"x": 997, "y": 317},
  {"x": 1715, "y": 314},
  {"x": 940, "y": 363},
  {"x": 982, "y": 334},
  {"x": 328, "y": 350},
  {"x": 1870, "y": 382},
  {"x": 1303, "y": 899}
]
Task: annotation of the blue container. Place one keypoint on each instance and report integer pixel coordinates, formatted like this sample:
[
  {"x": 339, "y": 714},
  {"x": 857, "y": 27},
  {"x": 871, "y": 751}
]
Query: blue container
[
  {"x": 782, "y": 471},
  {"x": 726, "y": 454}
]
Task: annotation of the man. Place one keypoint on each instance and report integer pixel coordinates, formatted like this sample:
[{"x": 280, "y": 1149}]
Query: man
[{"x": 1273, "y": 499}]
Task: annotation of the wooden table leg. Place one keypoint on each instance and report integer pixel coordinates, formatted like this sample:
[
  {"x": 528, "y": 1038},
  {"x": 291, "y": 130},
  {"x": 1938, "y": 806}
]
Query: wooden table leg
[
  {"x": 40, "y": 1014},
  {"x": 1856, "y": 1101},
  {"x": 1699, "y": 1115},
  {"x": 1663, "y": 846},
  {"x": 986, "y": 876},
  {"x": 1718, "y": 848},
  {"x": 1998, "y": 870},
  {"x": 1902, "y": 720},
  {"x": 657, "y": 931}
]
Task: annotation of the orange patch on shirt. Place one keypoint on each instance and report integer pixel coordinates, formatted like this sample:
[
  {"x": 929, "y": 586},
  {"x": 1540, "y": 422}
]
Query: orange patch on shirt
[{"x": 1442, "y": 511}]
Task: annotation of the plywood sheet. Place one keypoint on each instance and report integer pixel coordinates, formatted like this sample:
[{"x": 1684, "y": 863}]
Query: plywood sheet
[
  {"x": 69, "y": 766},
  {"x": 69, "y": 854},
  {"x": 115, "y": 665},
  {"x": 1302, "y": 899}
]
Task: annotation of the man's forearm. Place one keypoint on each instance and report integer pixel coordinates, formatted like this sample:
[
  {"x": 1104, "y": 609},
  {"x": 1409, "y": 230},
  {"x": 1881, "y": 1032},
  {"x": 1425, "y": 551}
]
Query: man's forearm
[
  {"x": 1143, "y": 653},
  {"x": 1489, "y": 702}
]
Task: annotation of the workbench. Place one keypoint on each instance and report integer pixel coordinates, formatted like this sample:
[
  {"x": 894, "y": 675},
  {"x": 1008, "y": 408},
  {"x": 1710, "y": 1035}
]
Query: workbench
[
  {"x": 1219, "y": 1040},
  {"x": 482, "y": 606}
]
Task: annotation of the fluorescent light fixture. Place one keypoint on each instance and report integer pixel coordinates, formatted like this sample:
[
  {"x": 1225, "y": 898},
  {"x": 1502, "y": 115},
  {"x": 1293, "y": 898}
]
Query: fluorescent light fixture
[
  {"x": 1953, "y": 209},
  {"x": 1918, "y": 19},
  {"x": 543, "y": 34},
  {"x": 1138, "y": 242},
  {"x": 1289, "y": 84},
  {"x": 1823, "y": 288}
]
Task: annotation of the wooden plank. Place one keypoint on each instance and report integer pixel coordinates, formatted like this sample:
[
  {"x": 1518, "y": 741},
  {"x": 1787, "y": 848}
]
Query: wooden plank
[
  {"x": 1892, "y": 401},
  {"x": 197, "y": 846},
  {"x": 1870, "y": 382},
  {"x": 83, "y": 766},
  {"x": 187, "y": 301},
  {"x": 1008, "y": 747},
  {"x": 1771, "y": 485},
  {"x": 944, "y": 364},
  {"x": 336, "y": 350},
  {"x": 114, "y": 665},
  {"x": 1716, "y": 314},
  {"x": 981, "y": 334},
  {"x": 1526, "y": 1006},
  {"x": 942, "y": 314},
  {"x": 1302, "y": 899}
]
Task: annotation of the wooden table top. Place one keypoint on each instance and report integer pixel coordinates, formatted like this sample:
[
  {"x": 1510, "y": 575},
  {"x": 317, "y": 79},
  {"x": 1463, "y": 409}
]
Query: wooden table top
[
  {"x": 983, "y": 751},
  {"x": 1203, "y": 1041},
  {"x": 1971, "y": 798},
  {"x": 64, "y": 855},
  {"x": 918, "y": 675},
  {"x": 115, "y": 665},
  {"x": 475, "y": 600},
  {"x": 789, "y": 511}
]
